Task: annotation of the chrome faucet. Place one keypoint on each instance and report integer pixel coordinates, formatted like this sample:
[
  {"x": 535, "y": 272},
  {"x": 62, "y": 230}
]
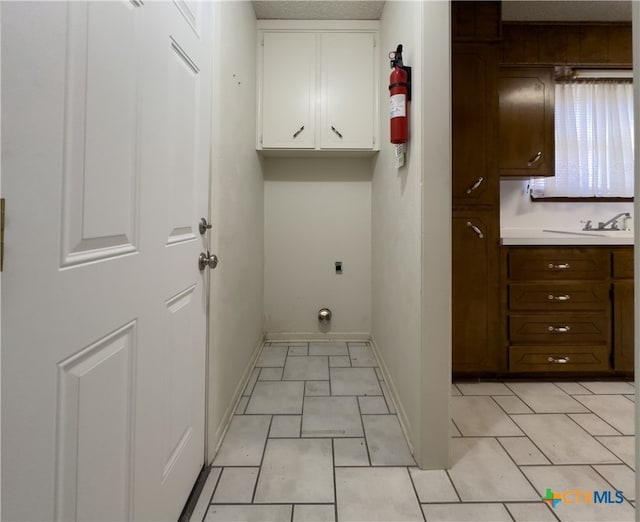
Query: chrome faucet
[{"x": 613, "y": 222}]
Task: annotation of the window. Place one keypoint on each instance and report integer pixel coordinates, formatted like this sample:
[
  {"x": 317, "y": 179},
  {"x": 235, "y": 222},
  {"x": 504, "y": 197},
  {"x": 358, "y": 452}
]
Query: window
[{"x": 594, "y": 141}]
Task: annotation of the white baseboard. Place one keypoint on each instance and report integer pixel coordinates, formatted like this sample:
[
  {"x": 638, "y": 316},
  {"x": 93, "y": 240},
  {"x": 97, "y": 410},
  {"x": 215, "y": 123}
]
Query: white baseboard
[{"x": 317, "y": 336}]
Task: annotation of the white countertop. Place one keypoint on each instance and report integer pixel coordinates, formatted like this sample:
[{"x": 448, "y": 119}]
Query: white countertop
[{"x": 560, "y": 236}]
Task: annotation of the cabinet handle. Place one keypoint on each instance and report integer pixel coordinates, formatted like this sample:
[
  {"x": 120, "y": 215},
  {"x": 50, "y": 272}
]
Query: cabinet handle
[
  {"x": 558, "y": 360},
  {"x": 535, "y": 159},
  {"x": 475, "y": 229},
  {"x": 475, "y": 185},
  {"x": 564, "y": 297},
  {"x": 295, "y": 134},
  {"x": 336, "y": 131},
  {"x": 559, "y": 266},
  {"x": 559, "y": 329}
]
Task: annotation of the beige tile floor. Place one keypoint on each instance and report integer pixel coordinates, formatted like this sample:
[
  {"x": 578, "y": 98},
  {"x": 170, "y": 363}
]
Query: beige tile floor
[{"x": 316, "y": 438}]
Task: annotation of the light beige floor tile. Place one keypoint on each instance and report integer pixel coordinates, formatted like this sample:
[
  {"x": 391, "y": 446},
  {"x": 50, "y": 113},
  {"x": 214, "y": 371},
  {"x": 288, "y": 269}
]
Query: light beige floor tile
[
  {"x": 535, "y": 512},
  {"x": 572, "y": 388},
  {"x": 622, "y": 447},
  {"x": 270, "y": 374},
  {"x": 545, "y": 397},
  {"x": 614, "y": 409},
  {"x": 483, "y": 388},
  {"x": 468, "y": 512},
  {"x": 455, "y": 391},
  {"x": 562, "y": 441},
  {"x": 433, "y": 485},
  {"x": 244, "y": 441},
  {"x": 314, "y": 513},
  {"x": 331, "y": 417},
  {"x": 296, "y": 471},
  {"x": 376, "y": 495},
  {"x": 593, "y": 424},
  {"x": 198, "y": 513},
  {"x": 249, "y": 513},
  {"x": 354, "y": 381},
  {"x": 334, "y": 348},
  {"x": 562, "y": 478},
  {"x": 272, "y": 356},
  {"x": 609, "y": 387},
  {"x": 455, "y": 432},
  {"x": 512, "y": 404},
  {"x": 235, "y": 486},
  {"x": 632, "y": 398},
  {"x": 372, "y": 405},
  {"x": 379, "y": 374},
  {"x": 316, "y": 388},
  {"x": 481, "y": 417},
  {"x": 339, "y": 361},
  {"x": 350, "y": 452},
  {"x": 386, "y": 442},
  {"x": 299, "y": 349},
  {"x": 362, "y": 356},
  {"x": 523, "y": 451},
  {"x": 276, "y": 397},
  {"x": 314, "y": 368},
  {"x": 242, "y": 405},
  {"x": 285, "y": 426},
  {"x": 387, "y": 397},
  {"x": 248, "y": 389},
  {"x": 621, "y": 477},
  {"x": 482, "y": 471}
]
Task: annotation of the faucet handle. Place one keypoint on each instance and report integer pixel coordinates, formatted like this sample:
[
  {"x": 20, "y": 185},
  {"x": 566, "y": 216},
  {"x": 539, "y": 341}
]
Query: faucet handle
[{"x": 587, "y": 225}]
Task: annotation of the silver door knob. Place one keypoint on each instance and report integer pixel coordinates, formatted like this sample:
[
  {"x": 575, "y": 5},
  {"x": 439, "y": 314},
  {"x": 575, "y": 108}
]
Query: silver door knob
[
  {"x": 203, "y": 226},
  {"x": 207, "y": 260}
]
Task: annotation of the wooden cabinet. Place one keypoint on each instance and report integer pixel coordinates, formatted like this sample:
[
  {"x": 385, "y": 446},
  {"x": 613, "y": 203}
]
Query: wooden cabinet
[
  {"x": 476, "y": 21},
  {"x": 526, "y": 121},
  {"x": 623, "y": 310},
  {"x": 558, "y": 309},
  {"x": 318, "y": 90}
]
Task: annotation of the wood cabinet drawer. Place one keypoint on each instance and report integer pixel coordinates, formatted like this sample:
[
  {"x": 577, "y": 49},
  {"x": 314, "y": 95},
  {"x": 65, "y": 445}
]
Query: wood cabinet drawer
[
  {"x": 558, "y": 264},
  {"x": 558, "y": 296},
  {"x": 560, "y": 328},
  {"x": 559, "y": 359},
  {"x": 623, "y": 264}
]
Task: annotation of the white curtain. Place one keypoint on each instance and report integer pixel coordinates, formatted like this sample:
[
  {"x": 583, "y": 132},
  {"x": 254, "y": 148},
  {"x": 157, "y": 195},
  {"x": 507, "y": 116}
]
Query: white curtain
[{"x": 594, "y": 141}]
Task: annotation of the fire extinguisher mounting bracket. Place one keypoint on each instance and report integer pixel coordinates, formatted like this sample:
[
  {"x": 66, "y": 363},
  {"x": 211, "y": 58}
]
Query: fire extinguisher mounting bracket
[{"x": 396, "y": 61}]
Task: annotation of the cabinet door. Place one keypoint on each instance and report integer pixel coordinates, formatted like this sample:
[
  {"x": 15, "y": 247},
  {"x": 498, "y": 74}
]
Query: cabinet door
[
  {"x": 526, "y": 125},
  {"x": 623, "y": 318},
  {"x": 288, "y": 90},
  {"x": 475, "y": 295},
  {"x": 347, "y": 93},
  {"x": 474, "y": 115}
]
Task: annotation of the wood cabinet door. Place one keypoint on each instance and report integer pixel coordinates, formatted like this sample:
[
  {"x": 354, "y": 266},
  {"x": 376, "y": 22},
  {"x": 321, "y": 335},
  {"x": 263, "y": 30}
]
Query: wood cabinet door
[
  {"x": 475, "y": 295},
  {"x": 474, "y": 113},
  {"x": 526, "y": 145},
  {"x": 623, "y": 331}
]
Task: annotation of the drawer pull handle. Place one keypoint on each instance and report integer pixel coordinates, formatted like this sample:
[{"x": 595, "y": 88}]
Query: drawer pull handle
[
  {"x": 559, "y": 329},
  {"x": 535, "y": 159},
  {"x": 564, "y": 297},
  {"x": 477, "y": 183},
  {"x": 558, "y": 360},
  {"x": 295, "y": 134},
  {"x": 559, "y": 266},
  {"x": 475, "y": 229}
]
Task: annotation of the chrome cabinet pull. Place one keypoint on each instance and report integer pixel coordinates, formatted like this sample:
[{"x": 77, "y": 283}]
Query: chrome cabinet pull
[
  {"x": 559, "y": 266},
  {"x": 564, "y": 297},
  {"x": 535, "y": 159},
  {"x": 475, "y": 229},
  {"x": 295, "y": 134},
  {"x": 559, "y": 329},
  {"x": 475, "y": 185},
  {"x": 336, "y": 131},
  {"x": 558, "y": 360}
]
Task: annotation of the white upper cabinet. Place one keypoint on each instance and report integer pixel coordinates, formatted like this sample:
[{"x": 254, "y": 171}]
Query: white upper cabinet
[{"x": 317, "y": 88}]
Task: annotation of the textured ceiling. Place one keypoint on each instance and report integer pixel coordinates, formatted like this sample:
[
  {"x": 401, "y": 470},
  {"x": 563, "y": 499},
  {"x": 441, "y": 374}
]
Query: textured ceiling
[{"x": 318, "y": 9}]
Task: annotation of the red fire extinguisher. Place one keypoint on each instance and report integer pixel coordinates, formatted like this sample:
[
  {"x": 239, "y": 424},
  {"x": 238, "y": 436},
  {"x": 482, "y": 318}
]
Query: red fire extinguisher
[{"x": 400, "y": 92}]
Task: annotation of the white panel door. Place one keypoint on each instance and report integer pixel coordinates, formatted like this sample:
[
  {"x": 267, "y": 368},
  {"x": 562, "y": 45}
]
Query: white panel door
[
  {"x": 348, "y": 91},
  {"x": 105, "y": 161}
]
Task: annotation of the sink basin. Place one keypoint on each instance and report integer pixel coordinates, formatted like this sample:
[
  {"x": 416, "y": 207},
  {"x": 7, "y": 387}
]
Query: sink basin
[{"x": 593, "y": 233}]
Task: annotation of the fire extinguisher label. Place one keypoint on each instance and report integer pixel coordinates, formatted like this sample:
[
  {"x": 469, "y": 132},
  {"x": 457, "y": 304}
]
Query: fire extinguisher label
[{"x": 398, "y": 108}]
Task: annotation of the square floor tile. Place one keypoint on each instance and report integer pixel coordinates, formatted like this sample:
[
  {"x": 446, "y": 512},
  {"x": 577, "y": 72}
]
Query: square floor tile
[
  {"x": 562, "y": 441},
  {"x": 354, "y": 381},
  {"x": 235, "y": 486},
  {"x": 296, "y": 471},
  {"x": 523, "y": 451},
  {"x": 335, "y": 348},
  {"x": 609, "y": 387},
  {"x": 433, "y": 485},
  {"x": 276, "y": 397},
  {"x": 362, "y": 356},
  {"x": 272, "y": 356},
  {"x": 545, "y": 397},
  {"x": 512, "y": 404},
  {"x": 372, "y": 405},
  {"x": 483, "y": 472},
  {"x": 244, "y": 441},
  {"x": 270, "y": 374},
  {"x": 248, "y": 513},
  {"x": 483, "y": 388},
  {"x": 572, "y": 388},
  {"x": 593, "y": 424},
  {"x": 534, "y": 512},
  {"x": 331, "y": 417},
  {"x": 466, "y": 513},
  {"x": 339, "y": 361},
  {"x": 316, "y": 388},
  {"x": 562, "y": 478},
  {"x": 622, "y": 447},
  {"x": 314, "y": 513},
  {"x": 481, "y": 417},
  {"x": 306, "y": 369},
  {"x": 285, "y": 426},
  {"x": 621, "y": 477},
  {"x": 350, "y": 452},
  {"x": 299, "y": 349},
  {"x": 376, "y": 494},
  {"x": 614, "y": 409},
  {"x": 386, "y": 442}
]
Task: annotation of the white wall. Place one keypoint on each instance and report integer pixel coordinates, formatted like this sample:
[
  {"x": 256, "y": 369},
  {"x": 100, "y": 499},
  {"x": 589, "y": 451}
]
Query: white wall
[
  {"x": 409, "y": 280},
  {"x": 237, "y": 213},
  {"x": 317, "y": 211}
]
